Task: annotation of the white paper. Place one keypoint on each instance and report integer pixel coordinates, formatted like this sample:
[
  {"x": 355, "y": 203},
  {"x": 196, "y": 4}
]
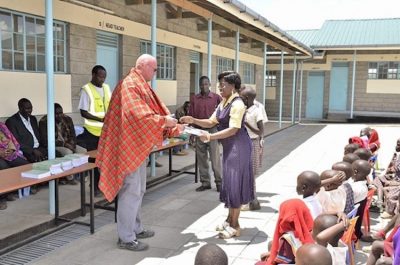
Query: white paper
[{"x": 194, "y": 131}]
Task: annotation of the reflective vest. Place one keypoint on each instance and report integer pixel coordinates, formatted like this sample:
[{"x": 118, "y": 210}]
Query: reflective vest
[{"x": 98, "y": 106}]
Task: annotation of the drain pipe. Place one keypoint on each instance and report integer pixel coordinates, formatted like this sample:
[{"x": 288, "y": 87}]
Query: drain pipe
[
  {"x": 301, "y": 85},
  {"x": 301, "y": 89}
]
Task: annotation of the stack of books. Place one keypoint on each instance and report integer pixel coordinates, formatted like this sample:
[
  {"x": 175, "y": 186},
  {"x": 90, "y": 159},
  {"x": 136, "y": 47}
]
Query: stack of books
[
  {"x": 36, "y": 174},
  {"x": 55, "y": 166},
  {"x": 77, "y": 159},
  {"x": 66, "y": 163}
]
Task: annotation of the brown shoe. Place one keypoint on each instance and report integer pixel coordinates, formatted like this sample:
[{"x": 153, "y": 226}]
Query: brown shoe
[
  {"x": 203, "y": 188},
  {"x": 218, "y": 187}
]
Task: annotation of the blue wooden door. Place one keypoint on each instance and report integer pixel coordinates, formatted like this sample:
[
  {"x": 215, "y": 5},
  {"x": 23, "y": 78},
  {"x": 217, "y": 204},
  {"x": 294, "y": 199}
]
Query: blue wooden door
[
  {"x": 315, "y": 95},
  {"x": 107, "y": 56},
  {"x": 338, "y": 87}
]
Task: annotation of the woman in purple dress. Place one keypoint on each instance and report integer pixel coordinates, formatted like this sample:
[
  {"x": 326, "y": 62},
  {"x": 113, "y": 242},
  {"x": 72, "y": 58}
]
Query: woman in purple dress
[{"x": 237, "y": 181}]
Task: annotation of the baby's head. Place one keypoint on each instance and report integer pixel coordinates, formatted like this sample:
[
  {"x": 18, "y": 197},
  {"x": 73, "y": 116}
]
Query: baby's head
[{"x": 308, "y": 183}]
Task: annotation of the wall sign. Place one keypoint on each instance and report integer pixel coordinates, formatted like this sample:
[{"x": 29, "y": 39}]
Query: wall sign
[{"x": 107, "y": 25}]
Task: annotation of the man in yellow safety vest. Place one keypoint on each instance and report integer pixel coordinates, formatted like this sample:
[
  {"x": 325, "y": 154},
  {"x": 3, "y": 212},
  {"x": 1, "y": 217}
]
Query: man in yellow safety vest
[{"x": 93, "y": 105}]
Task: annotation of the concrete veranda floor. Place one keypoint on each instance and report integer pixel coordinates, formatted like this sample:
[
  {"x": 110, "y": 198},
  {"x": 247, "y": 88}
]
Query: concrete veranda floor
[{"x": 184, "y": 220}]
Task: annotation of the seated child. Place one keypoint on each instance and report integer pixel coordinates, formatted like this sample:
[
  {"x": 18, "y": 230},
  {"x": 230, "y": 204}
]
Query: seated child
[
  {"x": 360, "y": 190},
  {"x": 293, "y": 229},
  {"x": 327, "y": 232},
  {"x": 211, "y": 254},
  {"x": 313, "y": 254},
  {"x": 308, "y": 184},
  {"x": 363, "y": 153},
  {"x": 373, "y": 138},
  {"x": 346, "y": 168},
  {"x": 332, "y": 195},
  {"x": 350, "y": 158},
  {"x": 350, "y": 148},
  {"x": 362, "y": 142},
  {"x": 361, "y": 170}
]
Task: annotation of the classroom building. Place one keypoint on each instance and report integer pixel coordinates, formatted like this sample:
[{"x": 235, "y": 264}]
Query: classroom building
[
  {"x": 194, "y": 38},
  {"x": 354, "y": 72}
]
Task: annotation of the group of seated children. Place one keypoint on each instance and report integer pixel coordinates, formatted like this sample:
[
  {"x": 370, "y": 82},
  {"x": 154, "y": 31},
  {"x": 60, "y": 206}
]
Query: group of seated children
[
  {"x": 310, "y": 229},
  {"x": 23, "y": 140}
]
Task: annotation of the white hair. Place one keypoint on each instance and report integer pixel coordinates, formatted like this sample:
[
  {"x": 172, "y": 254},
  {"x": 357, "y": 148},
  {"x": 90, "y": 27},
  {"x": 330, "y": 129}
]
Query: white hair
[{"x": 144, "y": 59}]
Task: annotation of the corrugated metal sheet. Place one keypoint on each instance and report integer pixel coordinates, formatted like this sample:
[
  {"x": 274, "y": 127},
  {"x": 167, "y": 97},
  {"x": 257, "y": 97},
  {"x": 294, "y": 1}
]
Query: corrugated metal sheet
[
  {"x": 352, "y": 33},
  {"x": 304, "y": 36},
  {"x": 358, "y": 32}
]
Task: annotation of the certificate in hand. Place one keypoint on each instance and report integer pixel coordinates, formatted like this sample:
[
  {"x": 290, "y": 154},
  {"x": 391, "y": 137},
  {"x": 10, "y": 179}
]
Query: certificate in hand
[{"x": 194, "y": 131}]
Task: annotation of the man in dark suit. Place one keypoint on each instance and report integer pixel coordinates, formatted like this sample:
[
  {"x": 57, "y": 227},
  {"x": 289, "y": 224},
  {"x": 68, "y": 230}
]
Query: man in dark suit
[{"x": 25, "y": 129}]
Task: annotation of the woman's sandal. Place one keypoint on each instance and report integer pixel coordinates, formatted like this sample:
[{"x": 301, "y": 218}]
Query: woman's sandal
[
  {"x": 229, "y": 232},
  {"x": 222, "y": 226}
]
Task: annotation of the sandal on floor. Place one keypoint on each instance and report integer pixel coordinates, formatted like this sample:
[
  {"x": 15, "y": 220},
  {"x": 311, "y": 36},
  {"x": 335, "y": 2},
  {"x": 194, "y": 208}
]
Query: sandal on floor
[
  {"x": 229, "y": 232},
  {"x": 222, "y": 226}
]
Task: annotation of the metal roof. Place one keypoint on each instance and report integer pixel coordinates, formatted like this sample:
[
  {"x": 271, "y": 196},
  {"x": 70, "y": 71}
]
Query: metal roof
[
  {"x": 259, "y": 24},
  {"x": 352, "y": 33},
  {"x": 304, "y": 36}
]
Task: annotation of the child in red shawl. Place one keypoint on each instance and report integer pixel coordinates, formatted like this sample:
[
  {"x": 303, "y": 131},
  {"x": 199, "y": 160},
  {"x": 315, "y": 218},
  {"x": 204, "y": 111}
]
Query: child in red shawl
[
  {"x": 293, "y": 229},
  {"x": 373, "y": 138}
]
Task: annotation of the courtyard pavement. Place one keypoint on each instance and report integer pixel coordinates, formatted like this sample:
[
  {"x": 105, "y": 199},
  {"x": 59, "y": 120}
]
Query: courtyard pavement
[{"x": 184, "y": 220}]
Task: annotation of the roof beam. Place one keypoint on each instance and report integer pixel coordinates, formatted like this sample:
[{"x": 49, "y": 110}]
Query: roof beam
[
  {"x": 204, "y": 27},
  {"x": 191, "y": 7},
  {"x": 256, "y": 44},
  {"x": 267, "y": 27},
  {"x": 141, "y": 2},
  {"x": 243, "y": 31},
  {"x": 227, "y": 34},
  {"x": 172, "y": 12},
  {"x": 224, "y": 23},
  {"x": 135, "y": 2}
]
